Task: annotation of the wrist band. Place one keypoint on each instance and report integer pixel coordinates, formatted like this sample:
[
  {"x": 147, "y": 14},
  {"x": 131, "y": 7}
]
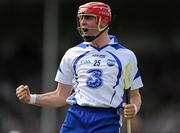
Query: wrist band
[{"x": 32, "y": 99}]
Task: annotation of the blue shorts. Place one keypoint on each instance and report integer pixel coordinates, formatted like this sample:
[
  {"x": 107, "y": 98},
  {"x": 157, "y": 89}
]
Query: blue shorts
[{"x": 91, "y": 120}]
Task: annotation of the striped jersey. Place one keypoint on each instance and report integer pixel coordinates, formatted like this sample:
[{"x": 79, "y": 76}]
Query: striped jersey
[{"x": 96, "y": 73}]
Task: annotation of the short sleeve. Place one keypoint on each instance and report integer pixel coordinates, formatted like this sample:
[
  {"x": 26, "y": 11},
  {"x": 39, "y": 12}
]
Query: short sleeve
[
  {"x": 137, "y": 81},
  {"x": 64, "y": 73}
]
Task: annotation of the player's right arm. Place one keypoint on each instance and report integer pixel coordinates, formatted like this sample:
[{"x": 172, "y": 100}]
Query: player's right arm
[{"x": 55, "y": 98}]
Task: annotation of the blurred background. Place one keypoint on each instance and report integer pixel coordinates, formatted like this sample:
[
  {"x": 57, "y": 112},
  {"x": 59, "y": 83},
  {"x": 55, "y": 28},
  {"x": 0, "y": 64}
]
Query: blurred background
[{"x": 34, "y": 34}]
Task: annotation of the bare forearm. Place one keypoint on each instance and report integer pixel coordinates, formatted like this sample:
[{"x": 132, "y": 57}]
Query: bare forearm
[
  {"x": 136, "y": 99},
  {"x": 55, "y": 98},
  {"x": 51, "y": 99}
]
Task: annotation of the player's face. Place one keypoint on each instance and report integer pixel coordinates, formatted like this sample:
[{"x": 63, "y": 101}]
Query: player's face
[{"x": 89, "y": 24}]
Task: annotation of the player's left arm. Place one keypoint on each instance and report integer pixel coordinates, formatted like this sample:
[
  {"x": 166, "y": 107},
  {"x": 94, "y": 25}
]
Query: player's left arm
[
  {"x": 130, "y": 110},
  {"x": 135, "y": 98}
]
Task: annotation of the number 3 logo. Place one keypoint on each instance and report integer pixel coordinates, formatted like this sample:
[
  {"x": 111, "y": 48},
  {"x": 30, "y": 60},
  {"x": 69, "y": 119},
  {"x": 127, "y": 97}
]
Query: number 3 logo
[{"x": 94, "y": 80}]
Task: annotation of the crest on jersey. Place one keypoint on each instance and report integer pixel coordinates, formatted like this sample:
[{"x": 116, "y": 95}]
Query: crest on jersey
[{"x": 111, "y": 62}]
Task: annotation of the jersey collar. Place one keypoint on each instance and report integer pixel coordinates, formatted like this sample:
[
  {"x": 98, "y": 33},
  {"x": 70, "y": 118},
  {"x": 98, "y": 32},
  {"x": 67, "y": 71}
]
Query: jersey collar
[{"x": 113, "y": 40}]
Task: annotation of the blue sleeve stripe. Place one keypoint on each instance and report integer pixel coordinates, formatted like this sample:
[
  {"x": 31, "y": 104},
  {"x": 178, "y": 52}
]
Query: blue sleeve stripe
[
  {"x": 137, "y": 75},
  {"x": 60, "y": 69}
]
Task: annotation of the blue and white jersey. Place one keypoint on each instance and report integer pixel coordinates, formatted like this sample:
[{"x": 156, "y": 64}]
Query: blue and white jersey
[{"x": 96, "y": 73}]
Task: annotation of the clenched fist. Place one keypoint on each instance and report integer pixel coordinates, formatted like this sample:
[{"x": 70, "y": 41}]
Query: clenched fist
[
  {"x": 23, "y": 93},
  {"x": 130, "y": 110}
]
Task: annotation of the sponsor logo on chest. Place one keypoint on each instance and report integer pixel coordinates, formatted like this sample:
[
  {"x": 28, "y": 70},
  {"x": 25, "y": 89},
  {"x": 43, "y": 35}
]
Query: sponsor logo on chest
[
  {"x": 111, "y": 62},
  {"x": 85, "y": 62}
]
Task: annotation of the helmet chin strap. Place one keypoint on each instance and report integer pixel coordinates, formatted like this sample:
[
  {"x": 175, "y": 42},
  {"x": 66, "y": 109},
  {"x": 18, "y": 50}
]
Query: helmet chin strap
[{"x": 90, "y": 38}]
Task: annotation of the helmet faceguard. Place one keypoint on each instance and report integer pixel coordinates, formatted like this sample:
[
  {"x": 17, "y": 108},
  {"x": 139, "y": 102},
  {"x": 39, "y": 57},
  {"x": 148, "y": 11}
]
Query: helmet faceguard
[{"x": 98, "y": 10}]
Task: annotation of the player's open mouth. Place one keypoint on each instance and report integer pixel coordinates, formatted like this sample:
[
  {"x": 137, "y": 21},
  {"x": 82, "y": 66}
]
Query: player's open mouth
[{"x": 85, "y": 29}]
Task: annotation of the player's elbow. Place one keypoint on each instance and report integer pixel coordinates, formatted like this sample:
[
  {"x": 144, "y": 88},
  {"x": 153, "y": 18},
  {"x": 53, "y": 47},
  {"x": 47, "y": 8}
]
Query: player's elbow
[{"x": 59, "y": 100}]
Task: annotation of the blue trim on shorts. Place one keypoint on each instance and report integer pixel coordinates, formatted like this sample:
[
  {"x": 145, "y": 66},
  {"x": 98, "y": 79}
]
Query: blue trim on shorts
[{"x": 83, "y": 119}]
